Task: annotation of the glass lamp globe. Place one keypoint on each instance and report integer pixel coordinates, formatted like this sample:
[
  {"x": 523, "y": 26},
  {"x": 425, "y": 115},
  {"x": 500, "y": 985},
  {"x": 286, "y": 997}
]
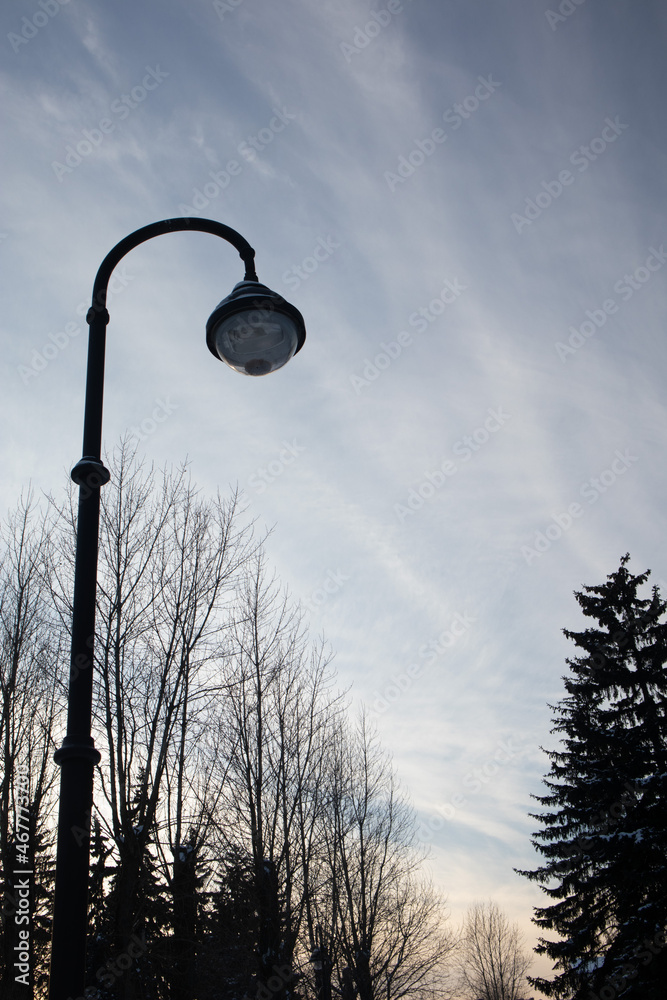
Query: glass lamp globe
[{"x": 254, "y": 330}]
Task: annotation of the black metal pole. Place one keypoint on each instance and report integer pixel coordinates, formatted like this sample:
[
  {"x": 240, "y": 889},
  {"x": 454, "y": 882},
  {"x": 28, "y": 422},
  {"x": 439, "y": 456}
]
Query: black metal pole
[{"x": 77, "y": 757}]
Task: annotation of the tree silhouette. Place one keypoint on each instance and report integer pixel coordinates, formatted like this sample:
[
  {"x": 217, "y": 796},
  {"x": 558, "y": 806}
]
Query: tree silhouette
[{"x": 604, "y": 831}]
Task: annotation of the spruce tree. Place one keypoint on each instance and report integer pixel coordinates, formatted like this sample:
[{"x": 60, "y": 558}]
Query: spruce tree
[
  {"x": 133, "y": 945},
  {"x": 100, "y": 944},
  {"x": 228, "y": 955},
  {"x": 186, "y": 889},
  {"x": 603, "y": 832}
]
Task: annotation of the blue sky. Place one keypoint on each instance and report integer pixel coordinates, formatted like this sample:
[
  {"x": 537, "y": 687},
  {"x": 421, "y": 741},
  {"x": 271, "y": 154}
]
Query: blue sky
[{"x": 466, "y": 202}]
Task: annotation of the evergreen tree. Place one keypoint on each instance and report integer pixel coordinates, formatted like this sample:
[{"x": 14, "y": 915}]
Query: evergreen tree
[
  {"x": 604, "y": 835},
  {"x": 227, "y": 958},
  {"x": 100, "y": 942},
  {"x": 134, "y": 948},
  {"x": 186, "y": 884}
]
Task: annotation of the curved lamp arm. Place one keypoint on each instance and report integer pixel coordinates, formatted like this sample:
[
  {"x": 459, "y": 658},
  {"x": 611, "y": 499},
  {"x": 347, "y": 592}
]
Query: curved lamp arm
[
  {"x": 90, "y": 471},
  {"x": 107, "y": 266}
]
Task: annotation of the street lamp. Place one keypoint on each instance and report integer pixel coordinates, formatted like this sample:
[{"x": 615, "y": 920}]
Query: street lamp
[{"x": 254, "y": 331}]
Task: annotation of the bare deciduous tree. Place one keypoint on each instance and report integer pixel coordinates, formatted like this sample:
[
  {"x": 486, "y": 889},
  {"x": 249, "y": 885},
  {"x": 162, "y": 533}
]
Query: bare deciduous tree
[
  {"x": 30, "y": 700},
  {"x": 491, "y": 963},
  {"x": 239, "y": 821},
  {"x": 273, "y": 732},
  {"x": 386, "y": 923},
  {"x": 167, "y": 578}
]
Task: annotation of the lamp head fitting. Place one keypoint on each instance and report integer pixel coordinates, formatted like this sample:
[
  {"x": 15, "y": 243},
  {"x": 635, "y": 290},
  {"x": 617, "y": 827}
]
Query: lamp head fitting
[{"x": 254, "y": 330}]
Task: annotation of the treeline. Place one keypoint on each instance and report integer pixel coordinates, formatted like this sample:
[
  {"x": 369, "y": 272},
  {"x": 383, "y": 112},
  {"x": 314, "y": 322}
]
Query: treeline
[{"x": 247, "y": 838}]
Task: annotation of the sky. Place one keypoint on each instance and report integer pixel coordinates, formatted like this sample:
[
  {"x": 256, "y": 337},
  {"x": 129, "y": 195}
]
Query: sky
[{"x": 465, "y": 200}]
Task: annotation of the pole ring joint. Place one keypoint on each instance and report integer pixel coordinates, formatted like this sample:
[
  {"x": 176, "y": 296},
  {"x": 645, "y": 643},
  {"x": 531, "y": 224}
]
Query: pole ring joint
[
  {"x": 90, "y": 472},
  {"x": 97, "y": 312}
]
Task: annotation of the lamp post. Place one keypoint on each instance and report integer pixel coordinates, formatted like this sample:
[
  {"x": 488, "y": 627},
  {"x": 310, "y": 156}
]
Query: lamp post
[{"x": 253, "y": 330}]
